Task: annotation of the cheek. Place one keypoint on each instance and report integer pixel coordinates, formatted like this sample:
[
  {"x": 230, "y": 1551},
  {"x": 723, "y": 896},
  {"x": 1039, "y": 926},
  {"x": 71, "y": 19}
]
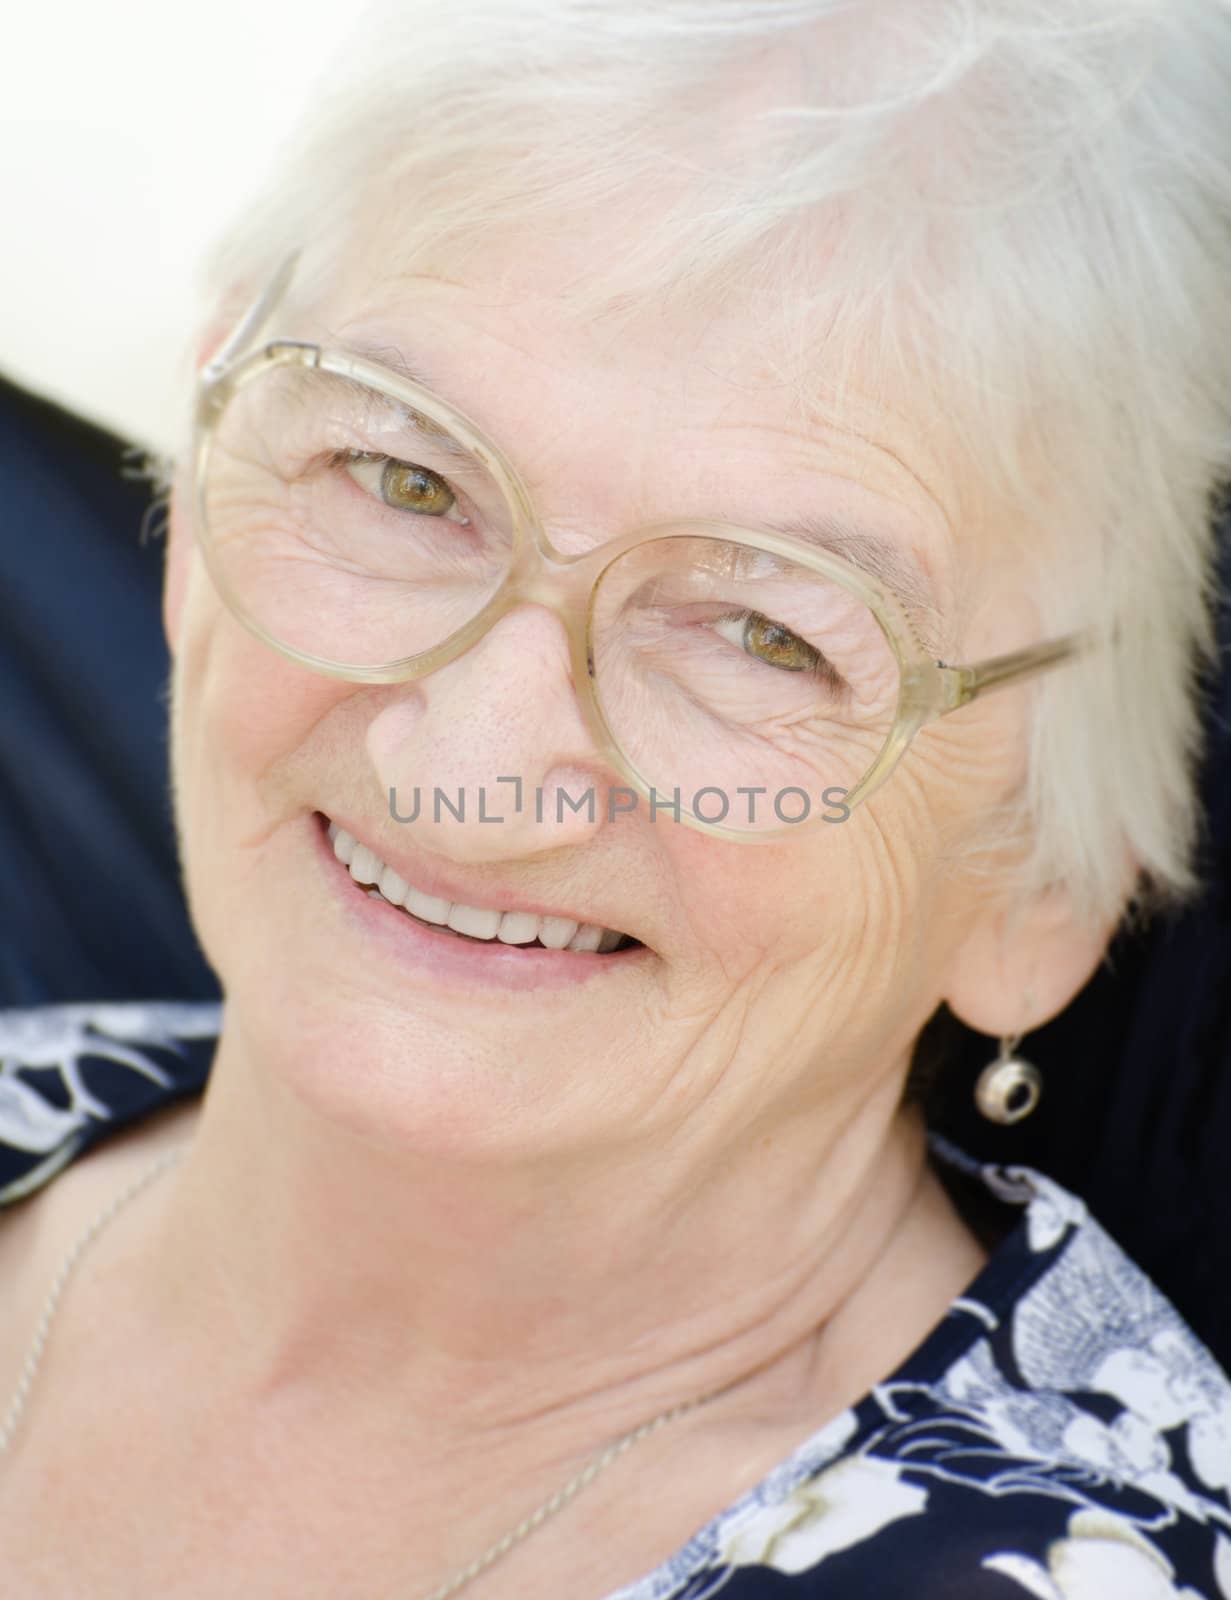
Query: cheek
[
  {"x": 241, "y": 717},
  {"x": 956, "y": 793},
  {"x": 819, "y": 946},
  {"x": 812, "y": 908},
  {"x": 180, "y": 551}
]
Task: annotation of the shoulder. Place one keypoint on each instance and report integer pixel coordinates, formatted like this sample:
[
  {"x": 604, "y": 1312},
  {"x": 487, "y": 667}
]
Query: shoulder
[
  {"x": 1062, "y": 1433},
  {"x": 1081, "y": 1396},
  {"x": 74, "y": 1076},
  {"x": 88, "y": 1095}
]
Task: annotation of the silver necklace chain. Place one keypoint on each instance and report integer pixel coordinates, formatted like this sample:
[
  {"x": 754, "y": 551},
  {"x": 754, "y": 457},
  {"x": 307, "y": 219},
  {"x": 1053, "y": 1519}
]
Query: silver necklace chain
[{"x": 493, "y": 1553}]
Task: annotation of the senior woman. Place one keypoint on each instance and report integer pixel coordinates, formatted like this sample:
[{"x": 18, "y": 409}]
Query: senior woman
[{"x": 691, "y": 555}]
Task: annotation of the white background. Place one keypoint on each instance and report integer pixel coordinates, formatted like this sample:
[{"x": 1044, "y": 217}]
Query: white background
[{"x": 130, "y": 133}]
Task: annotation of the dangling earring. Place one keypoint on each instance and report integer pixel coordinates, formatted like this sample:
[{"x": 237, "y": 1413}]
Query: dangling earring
[{"x": 1008, "y": 1088}]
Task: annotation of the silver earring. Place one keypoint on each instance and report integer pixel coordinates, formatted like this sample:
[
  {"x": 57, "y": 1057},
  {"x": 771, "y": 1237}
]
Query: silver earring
[{"x": 1008, "y": 1088}]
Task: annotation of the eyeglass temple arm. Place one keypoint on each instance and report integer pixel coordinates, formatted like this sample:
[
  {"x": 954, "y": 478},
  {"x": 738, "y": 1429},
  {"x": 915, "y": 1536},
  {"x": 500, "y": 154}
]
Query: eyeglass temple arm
[
  {"x": 960, "y": 685},
  {"x": 252, "y": 321}
]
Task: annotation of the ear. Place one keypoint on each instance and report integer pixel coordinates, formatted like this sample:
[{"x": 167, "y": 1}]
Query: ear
[
  {"x": 1020, "y": 962},
  {"x": 179, "y": 520}
]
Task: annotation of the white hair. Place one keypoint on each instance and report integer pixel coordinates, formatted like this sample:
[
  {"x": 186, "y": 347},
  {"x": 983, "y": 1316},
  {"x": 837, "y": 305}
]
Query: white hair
[{"x": 1016, "y": 213}]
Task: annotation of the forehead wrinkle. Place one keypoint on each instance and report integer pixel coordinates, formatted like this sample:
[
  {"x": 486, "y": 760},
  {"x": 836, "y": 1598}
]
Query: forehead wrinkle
[
  {"x": 911, "y": 472},
  {"x": 812, "y": 445}
]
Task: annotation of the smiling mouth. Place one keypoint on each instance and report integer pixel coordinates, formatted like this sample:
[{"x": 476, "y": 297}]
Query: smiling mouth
[{"x": 524, "y": 930}]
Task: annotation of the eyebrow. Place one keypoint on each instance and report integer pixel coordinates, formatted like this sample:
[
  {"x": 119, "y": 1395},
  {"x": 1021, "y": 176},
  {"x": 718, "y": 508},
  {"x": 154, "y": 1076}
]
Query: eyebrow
[
  {"x": 387, "y": 355},
  {"x": 403, "y": 409},
  {"x": 880, "y": 558}
]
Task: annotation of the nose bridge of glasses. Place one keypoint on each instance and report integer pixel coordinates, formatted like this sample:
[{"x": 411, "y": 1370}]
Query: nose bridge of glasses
[{"x": 540, "y": 576}]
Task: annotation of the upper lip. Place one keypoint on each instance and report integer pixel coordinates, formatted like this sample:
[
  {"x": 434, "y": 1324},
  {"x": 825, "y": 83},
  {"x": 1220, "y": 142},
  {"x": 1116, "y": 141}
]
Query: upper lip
[{"x": 426, "y": 879}]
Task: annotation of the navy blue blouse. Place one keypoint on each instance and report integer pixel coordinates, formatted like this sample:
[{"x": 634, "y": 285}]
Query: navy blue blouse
[{"x": 1061, "y": 1434}]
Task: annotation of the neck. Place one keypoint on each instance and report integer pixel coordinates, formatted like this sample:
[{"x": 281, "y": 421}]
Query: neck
[{"x": 596, "y": 1292}]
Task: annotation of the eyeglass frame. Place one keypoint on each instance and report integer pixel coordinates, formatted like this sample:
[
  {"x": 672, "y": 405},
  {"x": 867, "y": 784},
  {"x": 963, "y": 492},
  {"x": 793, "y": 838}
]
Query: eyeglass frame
[{"x": 567, "y": 585}]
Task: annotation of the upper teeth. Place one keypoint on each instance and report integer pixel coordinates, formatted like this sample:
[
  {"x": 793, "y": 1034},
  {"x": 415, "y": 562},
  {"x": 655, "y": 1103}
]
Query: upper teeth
[{"x": 509, "y": 927}]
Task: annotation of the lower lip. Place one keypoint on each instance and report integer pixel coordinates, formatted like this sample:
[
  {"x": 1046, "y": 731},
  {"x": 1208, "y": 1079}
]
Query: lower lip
[{"x": 448, "y": 956}]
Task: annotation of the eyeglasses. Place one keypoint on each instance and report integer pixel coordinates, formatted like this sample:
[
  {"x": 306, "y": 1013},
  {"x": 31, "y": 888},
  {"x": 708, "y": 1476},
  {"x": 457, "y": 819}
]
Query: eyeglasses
[{"x": 745, "y": 682}]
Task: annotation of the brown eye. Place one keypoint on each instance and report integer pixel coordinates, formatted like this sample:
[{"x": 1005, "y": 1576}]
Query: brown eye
[
  {"x": 410, "y": 488},
  {"x": 777, "y": 646},
  {"x": 403, "y": 486}
]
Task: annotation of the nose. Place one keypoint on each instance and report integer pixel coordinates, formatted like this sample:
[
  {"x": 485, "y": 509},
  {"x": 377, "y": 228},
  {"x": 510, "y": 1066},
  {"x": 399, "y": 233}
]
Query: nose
[{"x": 489, "y": 758}]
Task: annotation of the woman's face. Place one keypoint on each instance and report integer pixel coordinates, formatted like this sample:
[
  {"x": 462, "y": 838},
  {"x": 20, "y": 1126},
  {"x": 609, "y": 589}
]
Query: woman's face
[{"x": 773, "y": 976}]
